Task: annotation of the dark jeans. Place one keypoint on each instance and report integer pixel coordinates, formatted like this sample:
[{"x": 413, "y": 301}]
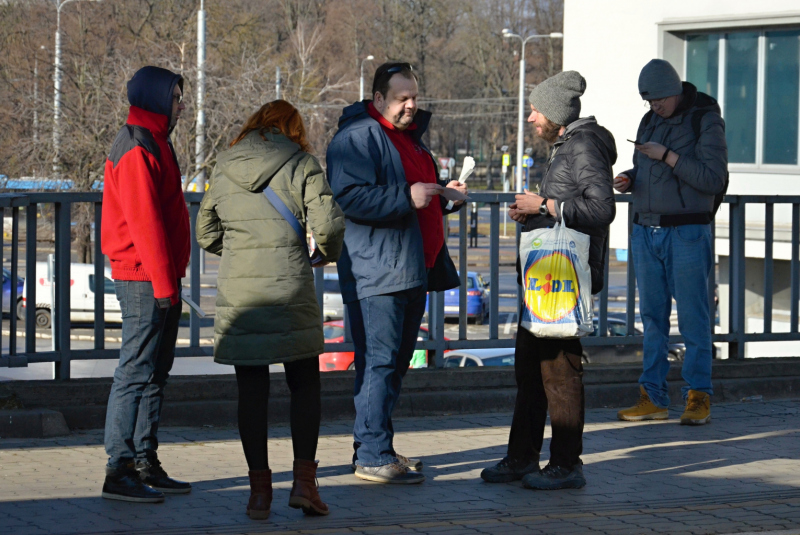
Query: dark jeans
[
  {"x": 149, "y": 334},
  {"x": 302, "y": 376},
  {"x": 549, "y": 376},
  {"x": 385, "y": 330}
]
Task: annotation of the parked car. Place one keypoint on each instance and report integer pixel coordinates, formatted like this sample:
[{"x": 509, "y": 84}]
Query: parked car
[
  {"x": 477, "y": 299},
  {"x": 343, "y": 360},
  {"x": 465, "y": 358},
  {"x": 332, "y": 305},
  {"x": 81, "y": 295},
  {"x": 7, "y": 294},
  {"x": 623, "y": 354}
]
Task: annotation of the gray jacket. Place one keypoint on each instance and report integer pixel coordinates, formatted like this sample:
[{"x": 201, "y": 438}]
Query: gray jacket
[{"x": 686, "y": 193}]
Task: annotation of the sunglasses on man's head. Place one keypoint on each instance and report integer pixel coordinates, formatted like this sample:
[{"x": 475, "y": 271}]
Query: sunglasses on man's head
[{"x": 398, "y": 68}]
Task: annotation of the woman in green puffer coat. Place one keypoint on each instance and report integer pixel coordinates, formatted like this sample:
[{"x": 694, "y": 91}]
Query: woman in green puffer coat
[{"x": 267, "y": 309}]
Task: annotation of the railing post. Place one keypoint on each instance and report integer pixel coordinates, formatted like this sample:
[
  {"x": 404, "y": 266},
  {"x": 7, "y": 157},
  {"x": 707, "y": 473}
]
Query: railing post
[
  {"x": 462, "y": 270},
  {"x": 62, "y": 306},
  {"x": 319, "y": 288},
  {"x": 194, "y": 278},
  {"x": 737, "y": 279},
  {"x": 630, "y": 291},
  {"x": 795, "y": 276},
  {"x": 769, "y": 220},
  {"x": 31, "y": 223},
  {"x": 712, "y": 281},
  {"x": 494, "y": 268},
  {"x": 99, "y": 281},
  {"x": 12, "y": 302}
]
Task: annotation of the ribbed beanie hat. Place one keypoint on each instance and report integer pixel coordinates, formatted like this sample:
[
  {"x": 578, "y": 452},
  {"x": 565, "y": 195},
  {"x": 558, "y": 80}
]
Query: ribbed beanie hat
[
  {"x": 659, "y": 79},
  {"x": 559, "y": 97}
]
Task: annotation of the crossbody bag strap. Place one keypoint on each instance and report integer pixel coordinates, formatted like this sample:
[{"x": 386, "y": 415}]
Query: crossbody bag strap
[{"x": 287, "y": 214}]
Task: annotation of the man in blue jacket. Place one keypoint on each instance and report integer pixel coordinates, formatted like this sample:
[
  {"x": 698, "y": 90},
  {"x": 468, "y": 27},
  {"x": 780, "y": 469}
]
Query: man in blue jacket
[{"x": 384, "y": 178}]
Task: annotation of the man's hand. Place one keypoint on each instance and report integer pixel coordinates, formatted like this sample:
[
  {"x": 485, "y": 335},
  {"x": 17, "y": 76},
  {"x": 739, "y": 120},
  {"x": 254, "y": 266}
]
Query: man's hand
[
  {"x": 652, "y": 150},
  {"x": 528, "y": 203},
  {"x": 516, "y": 215},
  {"x": 422, "y": 193},
  {"x": 622, "y": 182},
  {"x": 320, "y": 264},
  {"x": 461, "y": 188}
]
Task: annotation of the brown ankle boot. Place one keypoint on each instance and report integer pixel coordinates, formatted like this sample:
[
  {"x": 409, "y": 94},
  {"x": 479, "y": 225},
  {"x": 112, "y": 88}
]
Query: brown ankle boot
[
  {"x": 304, "y": 489},
  {"x": 258, "y": 507}
]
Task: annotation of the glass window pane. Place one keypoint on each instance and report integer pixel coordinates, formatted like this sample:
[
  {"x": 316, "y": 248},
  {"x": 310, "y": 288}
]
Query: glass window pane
[
  {"x": 702, "y": 62},
  {"x": 741, "y": 75},
  {"x": 782, "y": 97}
]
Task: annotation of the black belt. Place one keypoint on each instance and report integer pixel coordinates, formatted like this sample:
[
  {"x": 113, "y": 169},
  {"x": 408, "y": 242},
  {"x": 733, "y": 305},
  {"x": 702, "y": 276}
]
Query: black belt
[{"x": 676, "y": 220}]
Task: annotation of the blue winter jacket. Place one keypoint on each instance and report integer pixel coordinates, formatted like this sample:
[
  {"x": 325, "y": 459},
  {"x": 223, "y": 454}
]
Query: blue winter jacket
[{"x": 382, "y": 250}]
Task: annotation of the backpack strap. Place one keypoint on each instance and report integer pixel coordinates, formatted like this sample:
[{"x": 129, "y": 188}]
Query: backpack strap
[{"x": 287, "y": 214}]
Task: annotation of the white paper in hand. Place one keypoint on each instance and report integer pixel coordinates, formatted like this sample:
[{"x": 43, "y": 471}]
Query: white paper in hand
[{"x": 466, "y": 169}]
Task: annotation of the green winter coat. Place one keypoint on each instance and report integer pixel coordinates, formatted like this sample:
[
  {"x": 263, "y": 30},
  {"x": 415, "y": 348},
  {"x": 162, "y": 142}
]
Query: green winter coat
[{"x": 267, "y": 309}]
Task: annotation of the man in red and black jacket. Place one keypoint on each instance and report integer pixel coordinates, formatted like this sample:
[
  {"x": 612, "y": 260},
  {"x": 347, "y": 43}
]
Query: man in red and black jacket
[{"x": 145, "y": 234}]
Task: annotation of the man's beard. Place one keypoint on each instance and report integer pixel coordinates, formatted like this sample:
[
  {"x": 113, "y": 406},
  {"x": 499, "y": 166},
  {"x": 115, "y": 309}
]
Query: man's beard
[
  {"x": 549, "y": 131},
  {"x": 404, "y": 120}
]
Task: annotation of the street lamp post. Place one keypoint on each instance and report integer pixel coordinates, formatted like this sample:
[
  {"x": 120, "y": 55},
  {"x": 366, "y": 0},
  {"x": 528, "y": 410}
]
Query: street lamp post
[
  {"x": 57, "y": 83},
  {"x": 521, "y": 119},
  {"x": 361, "y": 91}
]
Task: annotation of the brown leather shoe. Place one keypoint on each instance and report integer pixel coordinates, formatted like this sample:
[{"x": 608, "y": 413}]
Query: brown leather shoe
[
  {"x": 260, "y": 503},
  {"x": 304, "y": 493}
]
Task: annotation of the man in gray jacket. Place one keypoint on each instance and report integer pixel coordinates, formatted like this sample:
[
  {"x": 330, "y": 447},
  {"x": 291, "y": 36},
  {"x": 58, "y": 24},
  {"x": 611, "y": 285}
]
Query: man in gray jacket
[{"x": 680, "y": 166}]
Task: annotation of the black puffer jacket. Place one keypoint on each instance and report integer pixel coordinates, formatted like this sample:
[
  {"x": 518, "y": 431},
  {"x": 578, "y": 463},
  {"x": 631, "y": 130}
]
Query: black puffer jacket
[{"x": 579, "y": 174}]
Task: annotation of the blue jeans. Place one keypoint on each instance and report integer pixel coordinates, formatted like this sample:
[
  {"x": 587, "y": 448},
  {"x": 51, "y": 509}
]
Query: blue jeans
[
  {"x": 674, "y": 262},
  {"x": 385, "y": 330},
  {"x": 149, "y": 334}
]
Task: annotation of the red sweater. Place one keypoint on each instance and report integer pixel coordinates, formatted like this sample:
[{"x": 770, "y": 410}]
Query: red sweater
[
  {"x": 145, "y": 230},
  {"x": 418, "y": 167}
]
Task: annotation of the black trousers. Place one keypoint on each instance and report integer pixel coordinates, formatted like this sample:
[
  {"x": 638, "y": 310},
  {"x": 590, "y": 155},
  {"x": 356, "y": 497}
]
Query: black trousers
[
  {"x": 302, "y": 377},
  {"x": 549, "y": 376}
]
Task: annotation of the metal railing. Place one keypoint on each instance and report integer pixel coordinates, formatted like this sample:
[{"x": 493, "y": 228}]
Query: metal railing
[{"x": 63, "y": 354}]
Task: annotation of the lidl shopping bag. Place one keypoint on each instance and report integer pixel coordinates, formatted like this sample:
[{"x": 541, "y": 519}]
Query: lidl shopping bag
[{"x": 557, "y": 282}]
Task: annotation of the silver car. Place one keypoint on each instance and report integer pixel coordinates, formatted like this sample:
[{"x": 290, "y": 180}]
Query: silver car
[{"x": 332, "y": 305}]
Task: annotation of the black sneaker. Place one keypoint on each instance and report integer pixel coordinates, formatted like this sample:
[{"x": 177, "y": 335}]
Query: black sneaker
[
  {"x": 123, "y": 483},
  {"x": 553, "y": 477},
  {"x": 508, "y": 470},
  {"x": 153, "y": 475},
  {"x": 394, "y": 473}
]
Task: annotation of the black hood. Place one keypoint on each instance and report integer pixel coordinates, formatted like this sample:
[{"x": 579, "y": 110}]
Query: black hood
[
  {"x": 589, "y": 125},
  {"x": 151, "y": 89},
  {"x": 692, "y": 98}
]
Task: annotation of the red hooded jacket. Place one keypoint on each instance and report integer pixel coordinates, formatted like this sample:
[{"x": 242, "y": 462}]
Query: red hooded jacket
[{"x": 145, "y": 230}]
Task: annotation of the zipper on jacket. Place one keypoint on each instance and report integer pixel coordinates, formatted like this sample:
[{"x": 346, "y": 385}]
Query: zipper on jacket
[{"x": 680, "y": 194}]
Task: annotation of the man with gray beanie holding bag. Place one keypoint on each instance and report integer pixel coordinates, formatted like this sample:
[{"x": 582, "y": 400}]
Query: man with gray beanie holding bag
[
  {"x": 548, "y": 370},
  {"x": 679, "y": 175}
]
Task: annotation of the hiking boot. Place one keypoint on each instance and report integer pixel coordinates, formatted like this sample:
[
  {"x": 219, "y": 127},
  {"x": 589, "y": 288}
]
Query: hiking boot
[
  {"x": 154, "y": 476},
  {"x": 698, "y": 409},
  {"x": 643, "y": 410},
  {"x": 260, "y": 502},
  {"x": 411, "y": 464},
  {"x": 508, "y": 470},
  {"x": 123, "y": 483},
  {"x": 394, "y": 473},
  {"x": 305, "y": 493},
  {"x": 553, "y": 477}
]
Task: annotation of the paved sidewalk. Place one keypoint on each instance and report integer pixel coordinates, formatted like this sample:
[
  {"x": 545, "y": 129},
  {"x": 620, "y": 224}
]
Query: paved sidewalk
[{"x": 740, "y": 474}]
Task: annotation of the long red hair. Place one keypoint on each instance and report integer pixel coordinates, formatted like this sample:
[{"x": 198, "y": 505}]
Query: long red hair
[{"x": 279, "y": 115}]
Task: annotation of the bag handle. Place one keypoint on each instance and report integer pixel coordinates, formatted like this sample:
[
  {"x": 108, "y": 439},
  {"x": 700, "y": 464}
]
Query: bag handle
[
  {"x": 559, "y": 213},
  {"x": 287, "y": 214}
]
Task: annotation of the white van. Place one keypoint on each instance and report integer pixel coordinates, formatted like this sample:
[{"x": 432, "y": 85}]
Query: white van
[{"x": 81, "y": 295}]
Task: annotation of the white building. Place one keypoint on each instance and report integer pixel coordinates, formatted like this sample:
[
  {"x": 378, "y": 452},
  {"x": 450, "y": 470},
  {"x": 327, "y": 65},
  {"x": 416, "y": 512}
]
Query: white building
[{"x": 747, "y": 56}]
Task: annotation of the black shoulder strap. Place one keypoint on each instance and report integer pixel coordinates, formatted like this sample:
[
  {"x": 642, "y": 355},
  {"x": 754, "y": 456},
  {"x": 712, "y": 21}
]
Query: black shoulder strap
[{"x": 697, "y": 119}]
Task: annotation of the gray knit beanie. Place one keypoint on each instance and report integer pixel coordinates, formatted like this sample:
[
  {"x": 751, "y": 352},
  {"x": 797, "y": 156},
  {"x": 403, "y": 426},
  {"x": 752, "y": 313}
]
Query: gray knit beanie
[
  {"x": 559, "y": 97},
  {"x": 659, "y": 79}
]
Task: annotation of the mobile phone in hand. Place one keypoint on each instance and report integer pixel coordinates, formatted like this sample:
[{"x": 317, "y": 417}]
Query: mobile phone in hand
[{"x": 634, "y": 142}]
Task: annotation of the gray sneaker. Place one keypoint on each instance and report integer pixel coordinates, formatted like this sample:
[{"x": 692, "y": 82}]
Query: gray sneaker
[
  {"x": 411, "y": 464},
  {"x": 508, "y": 470},
  {"x": 394, "y": 473},
  {"x": 553, "y": 477}
]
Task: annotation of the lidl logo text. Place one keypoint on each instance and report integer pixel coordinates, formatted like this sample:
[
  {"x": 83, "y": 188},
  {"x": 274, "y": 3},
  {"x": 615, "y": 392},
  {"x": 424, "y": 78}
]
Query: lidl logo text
[{"x": 550, "y": 285}]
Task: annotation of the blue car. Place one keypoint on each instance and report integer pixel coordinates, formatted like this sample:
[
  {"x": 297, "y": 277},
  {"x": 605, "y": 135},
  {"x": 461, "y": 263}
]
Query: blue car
[
  {"x": 477, "y": 299},
  {"x": 7, "y": 294}
]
